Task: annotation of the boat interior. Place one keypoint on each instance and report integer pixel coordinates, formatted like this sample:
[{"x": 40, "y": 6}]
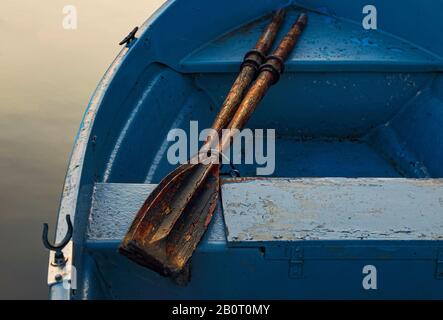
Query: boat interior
[{"x": 352, "y": 103}]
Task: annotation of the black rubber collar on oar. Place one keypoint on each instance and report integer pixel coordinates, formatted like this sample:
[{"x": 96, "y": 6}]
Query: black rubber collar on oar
[
  {"x": 253, "y": 58},
  {"x": 274, "y": 65}
]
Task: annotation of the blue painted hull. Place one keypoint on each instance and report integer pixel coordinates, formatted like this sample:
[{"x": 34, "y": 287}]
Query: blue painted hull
[{"x": 352, "y": 103}]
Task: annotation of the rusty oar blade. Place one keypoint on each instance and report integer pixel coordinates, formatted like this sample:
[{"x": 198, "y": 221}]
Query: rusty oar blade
[{"x": 173, "y": 219}]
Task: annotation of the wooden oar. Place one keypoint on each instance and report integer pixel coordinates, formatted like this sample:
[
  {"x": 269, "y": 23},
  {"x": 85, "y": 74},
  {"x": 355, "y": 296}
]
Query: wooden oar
[
  {"x": 249, "y": 69},
  {"x": 169, "y": 226}
]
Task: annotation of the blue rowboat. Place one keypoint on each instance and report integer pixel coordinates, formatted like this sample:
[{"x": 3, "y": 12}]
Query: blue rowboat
[{"x": 354, "y": 207}]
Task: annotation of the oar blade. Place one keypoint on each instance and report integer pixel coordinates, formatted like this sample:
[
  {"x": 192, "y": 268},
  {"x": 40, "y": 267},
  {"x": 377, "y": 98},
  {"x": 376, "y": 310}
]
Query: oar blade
[
  {"x": 172, "y": 221},
  {"x": 155, "y": 205}
]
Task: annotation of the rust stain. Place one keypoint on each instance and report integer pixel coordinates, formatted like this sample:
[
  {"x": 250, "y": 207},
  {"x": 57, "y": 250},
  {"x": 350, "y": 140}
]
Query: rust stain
[{"x": 242, "y": 179}]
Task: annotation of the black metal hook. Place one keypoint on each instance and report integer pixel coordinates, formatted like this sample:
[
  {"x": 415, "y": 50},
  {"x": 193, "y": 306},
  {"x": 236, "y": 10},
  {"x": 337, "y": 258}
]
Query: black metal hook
[
  {"x": 129, "y": 37},
  {"x": 59, "y": 258},
  {"x": 233, "y": 172}
]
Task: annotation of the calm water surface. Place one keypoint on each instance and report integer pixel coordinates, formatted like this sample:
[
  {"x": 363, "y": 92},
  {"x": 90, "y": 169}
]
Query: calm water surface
[{"x": 47, "y": 75}]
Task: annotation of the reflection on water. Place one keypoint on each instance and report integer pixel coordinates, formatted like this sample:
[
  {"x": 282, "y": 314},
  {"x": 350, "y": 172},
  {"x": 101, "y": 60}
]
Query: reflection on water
[{"x": 47, "y": 75}]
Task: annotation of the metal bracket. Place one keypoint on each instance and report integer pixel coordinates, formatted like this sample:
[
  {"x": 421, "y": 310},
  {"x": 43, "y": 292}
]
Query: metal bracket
[
  {"x": 129, "y": 37},
  {"x": 294, "y": 256},
  {"x": 59, "y": 258},
  {"x": 233, "y": 172},
  {"x": 439, "y": 269}
]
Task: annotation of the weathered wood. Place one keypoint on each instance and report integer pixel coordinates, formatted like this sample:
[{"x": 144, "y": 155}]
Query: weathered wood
[{"x": 332, "y": 209}]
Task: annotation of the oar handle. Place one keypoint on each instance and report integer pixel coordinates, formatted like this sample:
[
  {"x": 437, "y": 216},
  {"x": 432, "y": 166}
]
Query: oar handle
[
  {"x": 267, "y": 38},
  {"x": 269, "y": 74},
  {"x": 289, "y": 41},
  {"x": 249, "y": 69}
]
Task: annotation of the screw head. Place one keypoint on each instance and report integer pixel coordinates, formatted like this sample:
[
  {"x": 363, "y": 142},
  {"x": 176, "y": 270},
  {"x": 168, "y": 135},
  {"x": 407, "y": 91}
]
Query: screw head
[{"x": 58, "y": 277}]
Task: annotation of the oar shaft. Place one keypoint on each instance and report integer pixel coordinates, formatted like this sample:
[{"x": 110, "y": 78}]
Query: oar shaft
[
  {"x": 289, "y": 41},
  {"x": 252, "y": 62},
  {"x": 228, "y": 108},
  {"x": 251, "y": 100},
  {"x": 267, "y": 38},
  {"x": 269, "y": 74}
]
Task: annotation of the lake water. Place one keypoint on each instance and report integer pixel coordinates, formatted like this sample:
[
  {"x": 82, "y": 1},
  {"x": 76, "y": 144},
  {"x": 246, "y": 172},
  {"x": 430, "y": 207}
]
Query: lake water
[{"x": 47, "y": 75}]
